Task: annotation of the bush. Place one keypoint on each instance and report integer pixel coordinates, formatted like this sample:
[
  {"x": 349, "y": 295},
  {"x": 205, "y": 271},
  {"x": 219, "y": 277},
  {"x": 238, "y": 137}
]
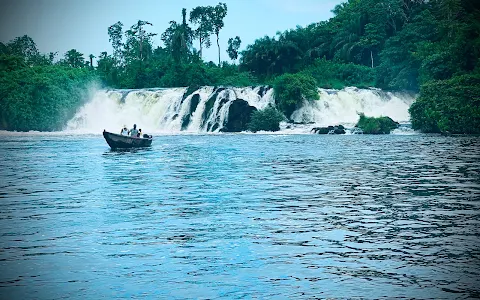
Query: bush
[
  {"x": 371, "y": 125},
  {"x": 451, "y": 105},
  {"x": 292, "y": 89},
  {"x": 265, "y": 120}
]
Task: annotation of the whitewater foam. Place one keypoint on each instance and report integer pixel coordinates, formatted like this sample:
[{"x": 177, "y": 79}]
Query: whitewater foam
[{"x": 171, "y": 111}]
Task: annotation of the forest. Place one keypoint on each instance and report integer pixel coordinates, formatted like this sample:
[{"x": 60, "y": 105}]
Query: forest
[{"x": 430, "y": 47}]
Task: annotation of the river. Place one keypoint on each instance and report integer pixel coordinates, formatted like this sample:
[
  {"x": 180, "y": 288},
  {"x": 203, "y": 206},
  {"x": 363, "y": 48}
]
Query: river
[{"x": 240, "y": 216}]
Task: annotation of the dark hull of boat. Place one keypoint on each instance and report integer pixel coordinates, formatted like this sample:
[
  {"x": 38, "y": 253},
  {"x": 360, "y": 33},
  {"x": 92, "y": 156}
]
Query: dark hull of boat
[{"x": 117, "y": 141}]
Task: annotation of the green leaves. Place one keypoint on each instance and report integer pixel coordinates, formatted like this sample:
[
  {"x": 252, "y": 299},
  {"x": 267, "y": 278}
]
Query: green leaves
[
  {"x": 265, "y": 120},
  {"x": 337, "y": 75},
  {"x": 371, "y": 125},
  {"x": 74, "y": 59},
  {"x": 202, "y": 16},
  {"x": 115, "y": 34},
  {"x": 451, "y": 105},
  {"x": 178, "y": 39},
  {"x": 233, "y": 46},
  {"x": 292, "y": 89},
  {"x": 219, "y": 12},
  {"x": 42, "y": 97}
]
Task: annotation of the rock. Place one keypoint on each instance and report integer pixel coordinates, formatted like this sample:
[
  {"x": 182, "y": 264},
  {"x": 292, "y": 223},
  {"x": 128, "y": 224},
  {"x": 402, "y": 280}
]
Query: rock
[
  {"x": 239, "y": 115},
  {"x": 194, "y": 103},
  {"x": 329, "y": 130},
  {"x": 210, "y": 103},
  {"x": 193, "y": 106},
  {"x": 300, "y": 123},
  {"x": 189, "y": 91},
  {"x": 263, "y": 90},
  {"x": 321, "y": 130}
]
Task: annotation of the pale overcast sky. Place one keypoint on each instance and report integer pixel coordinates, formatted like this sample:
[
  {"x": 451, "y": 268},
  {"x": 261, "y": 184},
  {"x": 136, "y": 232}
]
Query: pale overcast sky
[{"x": 60, "y": 25}]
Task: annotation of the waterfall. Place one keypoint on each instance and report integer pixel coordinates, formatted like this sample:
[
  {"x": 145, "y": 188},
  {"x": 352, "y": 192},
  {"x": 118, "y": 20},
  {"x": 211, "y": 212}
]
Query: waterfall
[
  {"x": 343, "y": 106},
  {"x": 208, "y": 109}
]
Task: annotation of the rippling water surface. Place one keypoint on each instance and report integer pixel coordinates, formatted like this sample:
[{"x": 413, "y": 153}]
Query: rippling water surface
[{"x": 232, "y": 216}]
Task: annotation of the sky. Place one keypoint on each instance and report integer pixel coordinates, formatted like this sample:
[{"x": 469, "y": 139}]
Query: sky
[{"x": 61, "y": 25}]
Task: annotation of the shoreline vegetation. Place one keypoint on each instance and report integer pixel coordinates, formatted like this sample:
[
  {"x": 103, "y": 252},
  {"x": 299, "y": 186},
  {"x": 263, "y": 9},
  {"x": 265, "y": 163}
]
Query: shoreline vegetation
[{"x": 428, "y": 47}]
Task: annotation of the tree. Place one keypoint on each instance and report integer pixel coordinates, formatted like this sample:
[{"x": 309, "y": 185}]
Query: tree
[
  {"x": 74, "y": 58},
  {"x": 259, "y": 58},
  {"x": 448, "y": 12},
  {"x": 233, "y": 46},
  {"x": 179, "y": 38},
  {"x": 372, "y": 39},
  {"x": 115, "y": 37},
  {"x": 106, "y": 69},
  {"x": 138, "y": 40},
  {"x": 202, "y": 16},
  {"x": 91, "y": 56},
  {"x": 23, "y": 46},
  {"x": 51, "y": 56},
  {"x": 451, "y": 105},
  {"x": 218, "y": 14}
]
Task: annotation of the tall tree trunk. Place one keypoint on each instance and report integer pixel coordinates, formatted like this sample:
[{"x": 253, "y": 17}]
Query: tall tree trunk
[
  {"x": 141, "y": 43},
  {"x": 201, "y": 42},
  {"x": 218, "y": 44},
  {"x": 371, "y": 56}
]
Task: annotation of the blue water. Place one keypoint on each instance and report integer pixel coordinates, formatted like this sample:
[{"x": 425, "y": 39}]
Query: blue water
[{"x": 240, "y": 216}]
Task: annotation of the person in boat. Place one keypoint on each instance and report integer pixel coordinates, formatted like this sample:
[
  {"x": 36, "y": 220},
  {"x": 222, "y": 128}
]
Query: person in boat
[
  {"x": 134, "y": 131},
  {"x": 139, "y": 134},
  {"x": 124, "y": 130}
]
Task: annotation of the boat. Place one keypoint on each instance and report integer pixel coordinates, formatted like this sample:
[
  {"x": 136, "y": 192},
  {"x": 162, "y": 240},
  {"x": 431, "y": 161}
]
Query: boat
[{"x": 118, "y": 141}]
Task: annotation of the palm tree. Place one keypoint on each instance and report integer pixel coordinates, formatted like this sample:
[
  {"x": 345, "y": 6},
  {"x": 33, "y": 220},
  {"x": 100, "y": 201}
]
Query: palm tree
[{"x": 91, "y": 56}]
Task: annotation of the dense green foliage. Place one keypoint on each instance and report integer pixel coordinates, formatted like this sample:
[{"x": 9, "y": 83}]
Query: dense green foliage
[
  {"x": 417, "y": 45},
  {"x": 451, "y": 105},
  {"x": 334, "y": 75},
  {"x": 292, "y": 89},
  {"x": 406, "y": 43},
  {"x": 389, "y": 44},
  {"x": 34, "y": 93},
  {"x": 265, "y": 120},
  {"x": 371, "y": 125}
]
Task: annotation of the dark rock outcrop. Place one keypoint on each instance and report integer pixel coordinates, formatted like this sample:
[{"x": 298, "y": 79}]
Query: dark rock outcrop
[
  {"x": 263, "y": 90},
  {"x": 239, "y": 115},
  {"x": 190, "y": 90},
  {"x": 329, "y": 130},
  {"x": 193, "y": 106},
  {"x": 210, "y": 103}
]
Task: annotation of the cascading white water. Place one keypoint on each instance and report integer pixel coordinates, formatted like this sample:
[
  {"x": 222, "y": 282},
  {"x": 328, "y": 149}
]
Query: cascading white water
[
  {"x": 207, "y": 109},
  {"x": 342, "y": 107},
  {"x": 164, "y": 110}
]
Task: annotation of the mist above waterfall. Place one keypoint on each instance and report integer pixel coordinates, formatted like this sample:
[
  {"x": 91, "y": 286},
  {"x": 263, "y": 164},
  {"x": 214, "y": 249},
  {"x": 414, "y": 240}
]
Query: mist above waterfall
[{"x": 175, "y": 110}]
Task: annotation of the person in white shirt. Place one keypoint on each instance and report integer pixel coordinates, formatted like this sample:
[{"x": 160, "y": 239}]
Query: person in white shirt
[
  {"x": 124, "y": 130},
  {"x": 134, "y": 131}
]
